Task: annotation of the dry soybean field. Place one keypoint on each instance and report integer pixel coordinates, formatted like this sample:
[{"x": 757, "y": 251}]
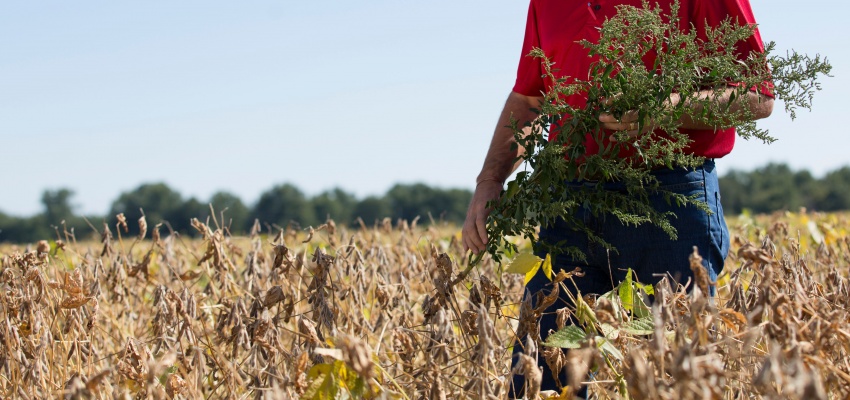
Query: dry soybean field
[{"x": 387, "y": 311}]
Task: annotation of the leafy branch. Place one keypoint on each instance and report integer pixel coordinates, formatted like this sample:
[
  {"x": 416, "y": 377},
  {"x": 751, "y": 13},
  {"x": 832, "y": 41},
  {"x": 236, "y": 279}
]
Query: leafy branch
[{"x": 695, "y": 70}]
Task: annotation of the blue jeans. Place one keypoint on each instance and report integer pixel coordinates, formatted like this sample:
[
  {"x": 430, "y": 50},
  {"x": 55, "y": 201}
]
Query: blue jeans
[{"x": 646, "y": 249}]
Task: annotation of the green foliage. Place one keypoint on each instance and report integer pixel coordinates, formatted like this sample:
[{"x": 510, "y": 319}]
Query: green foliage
[
  {"x": 181, "y": 217},
  {"x": 763, "y": 190},
  {"x": 570, "y": 337},
  {"x": 27, "y": 230},
  {"x": 159, "y": 202},
  {"x": 57, "y": 205},
  {"x": 284, "y": 204},
  {"x": 693, "y": 70},
  {"x": 279, "y": 205},
  {"x": 336, "y": 204},
  {"x": 639, "y": 327},
  {"x": 836, "y": 194},
  {"x": 777, "y": 187},
  {"x": 334, "y": 381},
  {"x": 410, "y": 201},
  {"x": 230, "y": 211},
  {"x": 372, "y": 209},
  {"x": 635, "y": 321},
  {"x": 629, "y": 296}
]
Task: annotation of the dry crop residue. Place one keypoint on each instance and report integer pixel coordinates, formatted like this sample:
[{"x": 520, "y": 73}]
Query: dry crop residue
[{"x": 378, "y": 312}]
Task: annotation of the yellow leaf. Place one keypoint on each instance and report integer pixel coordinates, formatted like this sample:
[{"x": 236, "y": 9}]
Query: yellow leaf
[
  {"x": 723, "y": 280},
  {"x": 530, "y": 274},
  {"x": 525, "y": 263},
  {"x": 547, "y": 266}
]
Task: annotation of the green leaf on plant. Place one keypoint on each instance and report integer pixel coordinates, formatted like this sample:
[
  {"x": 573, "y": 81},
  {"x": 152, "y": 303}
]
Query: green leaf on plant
[
  {"x": 324, "y": 385},
  {"x": 626, "y": 291},
  {"x": 615, "y": 302},
  {"x": 586, "y": 316},
  {"x": 638, "y": 327},
  {"x": 609, "y": 331},
  {"x": 608, "y": 348},
  {"x": 629, "y": 293},
  {"x": 570, "y": 337}
]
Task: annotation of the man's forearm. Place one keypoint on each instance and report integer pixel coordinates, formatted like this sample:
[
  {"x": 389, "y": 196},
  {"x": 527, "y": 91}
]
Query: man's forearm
[
  {"x": 501, "y": 160},
  {"x": 758, "y": 105}
]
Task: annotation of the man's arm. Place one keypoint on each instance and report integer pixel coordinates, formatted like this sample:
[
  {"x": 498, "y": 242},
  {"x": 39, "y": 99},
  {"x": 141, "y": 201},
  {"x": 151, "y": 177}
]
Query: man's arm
[
  {"x": 498, "y": 166},
  {"x": 759, "y": 106}
]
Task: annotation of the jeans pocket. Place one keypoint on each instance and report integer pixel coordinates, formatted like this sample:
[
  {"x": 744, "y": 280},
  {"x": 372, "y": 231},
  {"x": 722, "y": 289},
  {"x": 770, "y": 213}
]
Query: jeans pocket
[
  {"x": 695, "y": 190},
  {"x": 719, "y": 231},
  {"x": 704, "y": 226},
  {"x": 683, "y": 187}
]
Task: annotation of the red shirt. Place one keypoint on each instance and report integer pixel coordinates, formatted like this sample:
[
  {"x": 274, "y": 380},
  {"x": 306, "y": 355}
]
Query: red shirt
[{"x": 556, "y": 26}]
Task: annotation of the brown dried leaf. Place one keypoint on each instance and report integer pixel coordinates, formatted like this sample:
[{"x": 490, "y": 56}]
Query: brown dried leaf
[
  {"x": 42, "y": 247},
  {"x": 733, "y": 319},
  {"x": 94, "y": 381},
  {"x": 273, "y": 296},
  {"x": 74, "y": 302},
  {"x": 189, "y": 275},
  {"x": 175, "y": 385},
  {"x": 122, "y": 222},
  {"x": 308, "y": 328},
  {"x": 73, "y": 284},
  {"x": 143, "y": 227}
]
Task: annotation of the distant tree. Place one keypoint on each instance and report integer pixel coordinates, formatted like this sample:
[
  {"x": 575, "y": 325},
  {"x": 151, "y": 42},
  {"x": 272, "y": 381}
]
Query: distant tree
[
  {"x": 411, "y": 200},
  {"x": 372, "y": 209},
  {"x": 24, "y": 230},
  {"x": 734, "y": 191},
  {"x": 236, "y": 214},
  {"x": 282, "y": 204},
  {"x": 159, "y": 202},
  {"x": 772, "y": 188},
  {"x": 808, "y": 188},
  {"x": 836, "y": 191},
  {"x": 336, "y": 203},
  {"x": 181, "y": 218},
  {"x": 451, "y": 204},
  {"x": 57, "y": 205},
  {"x": 776, "y": 187}
]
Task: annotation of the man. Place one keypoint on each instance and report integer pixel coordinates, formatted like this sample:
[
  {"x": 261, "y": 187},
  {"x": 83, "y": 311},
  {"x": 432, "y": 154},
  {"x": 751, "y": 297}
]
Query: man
[{"x": 556, "y": 26}]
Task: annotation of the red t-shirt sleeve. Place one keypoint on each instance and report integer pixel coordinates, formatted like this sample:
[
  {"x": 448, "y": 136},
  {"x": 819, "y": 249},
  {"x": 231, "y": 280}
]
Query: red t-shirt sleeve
[
  {"x": 712, "y": 13},
  {"x": 529, "y": 77}
]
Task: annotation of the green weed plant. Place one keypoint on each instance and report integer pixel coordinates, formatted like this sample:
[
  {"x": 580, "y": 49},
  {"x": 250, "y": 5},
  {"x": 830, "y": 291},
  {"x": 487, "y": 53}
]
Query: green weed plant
[{"x": 618, "y": 82}]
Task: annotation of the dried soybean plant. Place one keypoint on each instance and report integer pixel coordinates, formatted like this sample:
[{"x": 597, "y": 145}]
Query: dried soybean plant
[{"x": 387, "y": 312}]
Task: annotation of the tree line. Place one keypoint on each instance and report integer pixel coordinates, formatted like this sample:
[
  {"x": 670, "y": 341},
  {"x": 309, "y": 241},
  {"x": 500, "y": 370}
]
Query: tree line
[
  {"x": 767, "y": 189},
  {"x": 282, "y": 205},
  {"x": 777, "y": 187}
]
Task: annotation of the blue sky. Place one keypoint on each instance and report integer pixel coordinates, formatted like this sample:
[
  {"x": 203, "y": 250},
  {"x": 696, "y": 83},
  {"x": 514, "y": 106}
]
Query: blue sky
[{"x": 101, "y": 96}]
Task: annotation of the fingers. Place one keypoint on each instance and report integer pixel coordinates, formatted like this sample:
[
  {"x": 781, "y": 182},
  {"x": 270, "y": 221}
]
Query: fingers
[
  {"x": 475, "y": 232},
  {"x": 629, "y": 117},
  {"x": 472, "y": 240},
  {"x": 627, "y": 123},
  {"x": 475, "y": 227},
  {"x": 481, "y": 223},
  {"x": 470, "y": 233}
]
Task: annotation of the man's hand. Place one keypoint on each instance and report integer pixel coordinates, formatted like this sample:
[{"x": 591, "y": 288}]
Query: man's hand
[
  {"x": 501, "y": 160},
  {"x": 629, "y": 123},
  {"x": 475, "y": 227}
]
